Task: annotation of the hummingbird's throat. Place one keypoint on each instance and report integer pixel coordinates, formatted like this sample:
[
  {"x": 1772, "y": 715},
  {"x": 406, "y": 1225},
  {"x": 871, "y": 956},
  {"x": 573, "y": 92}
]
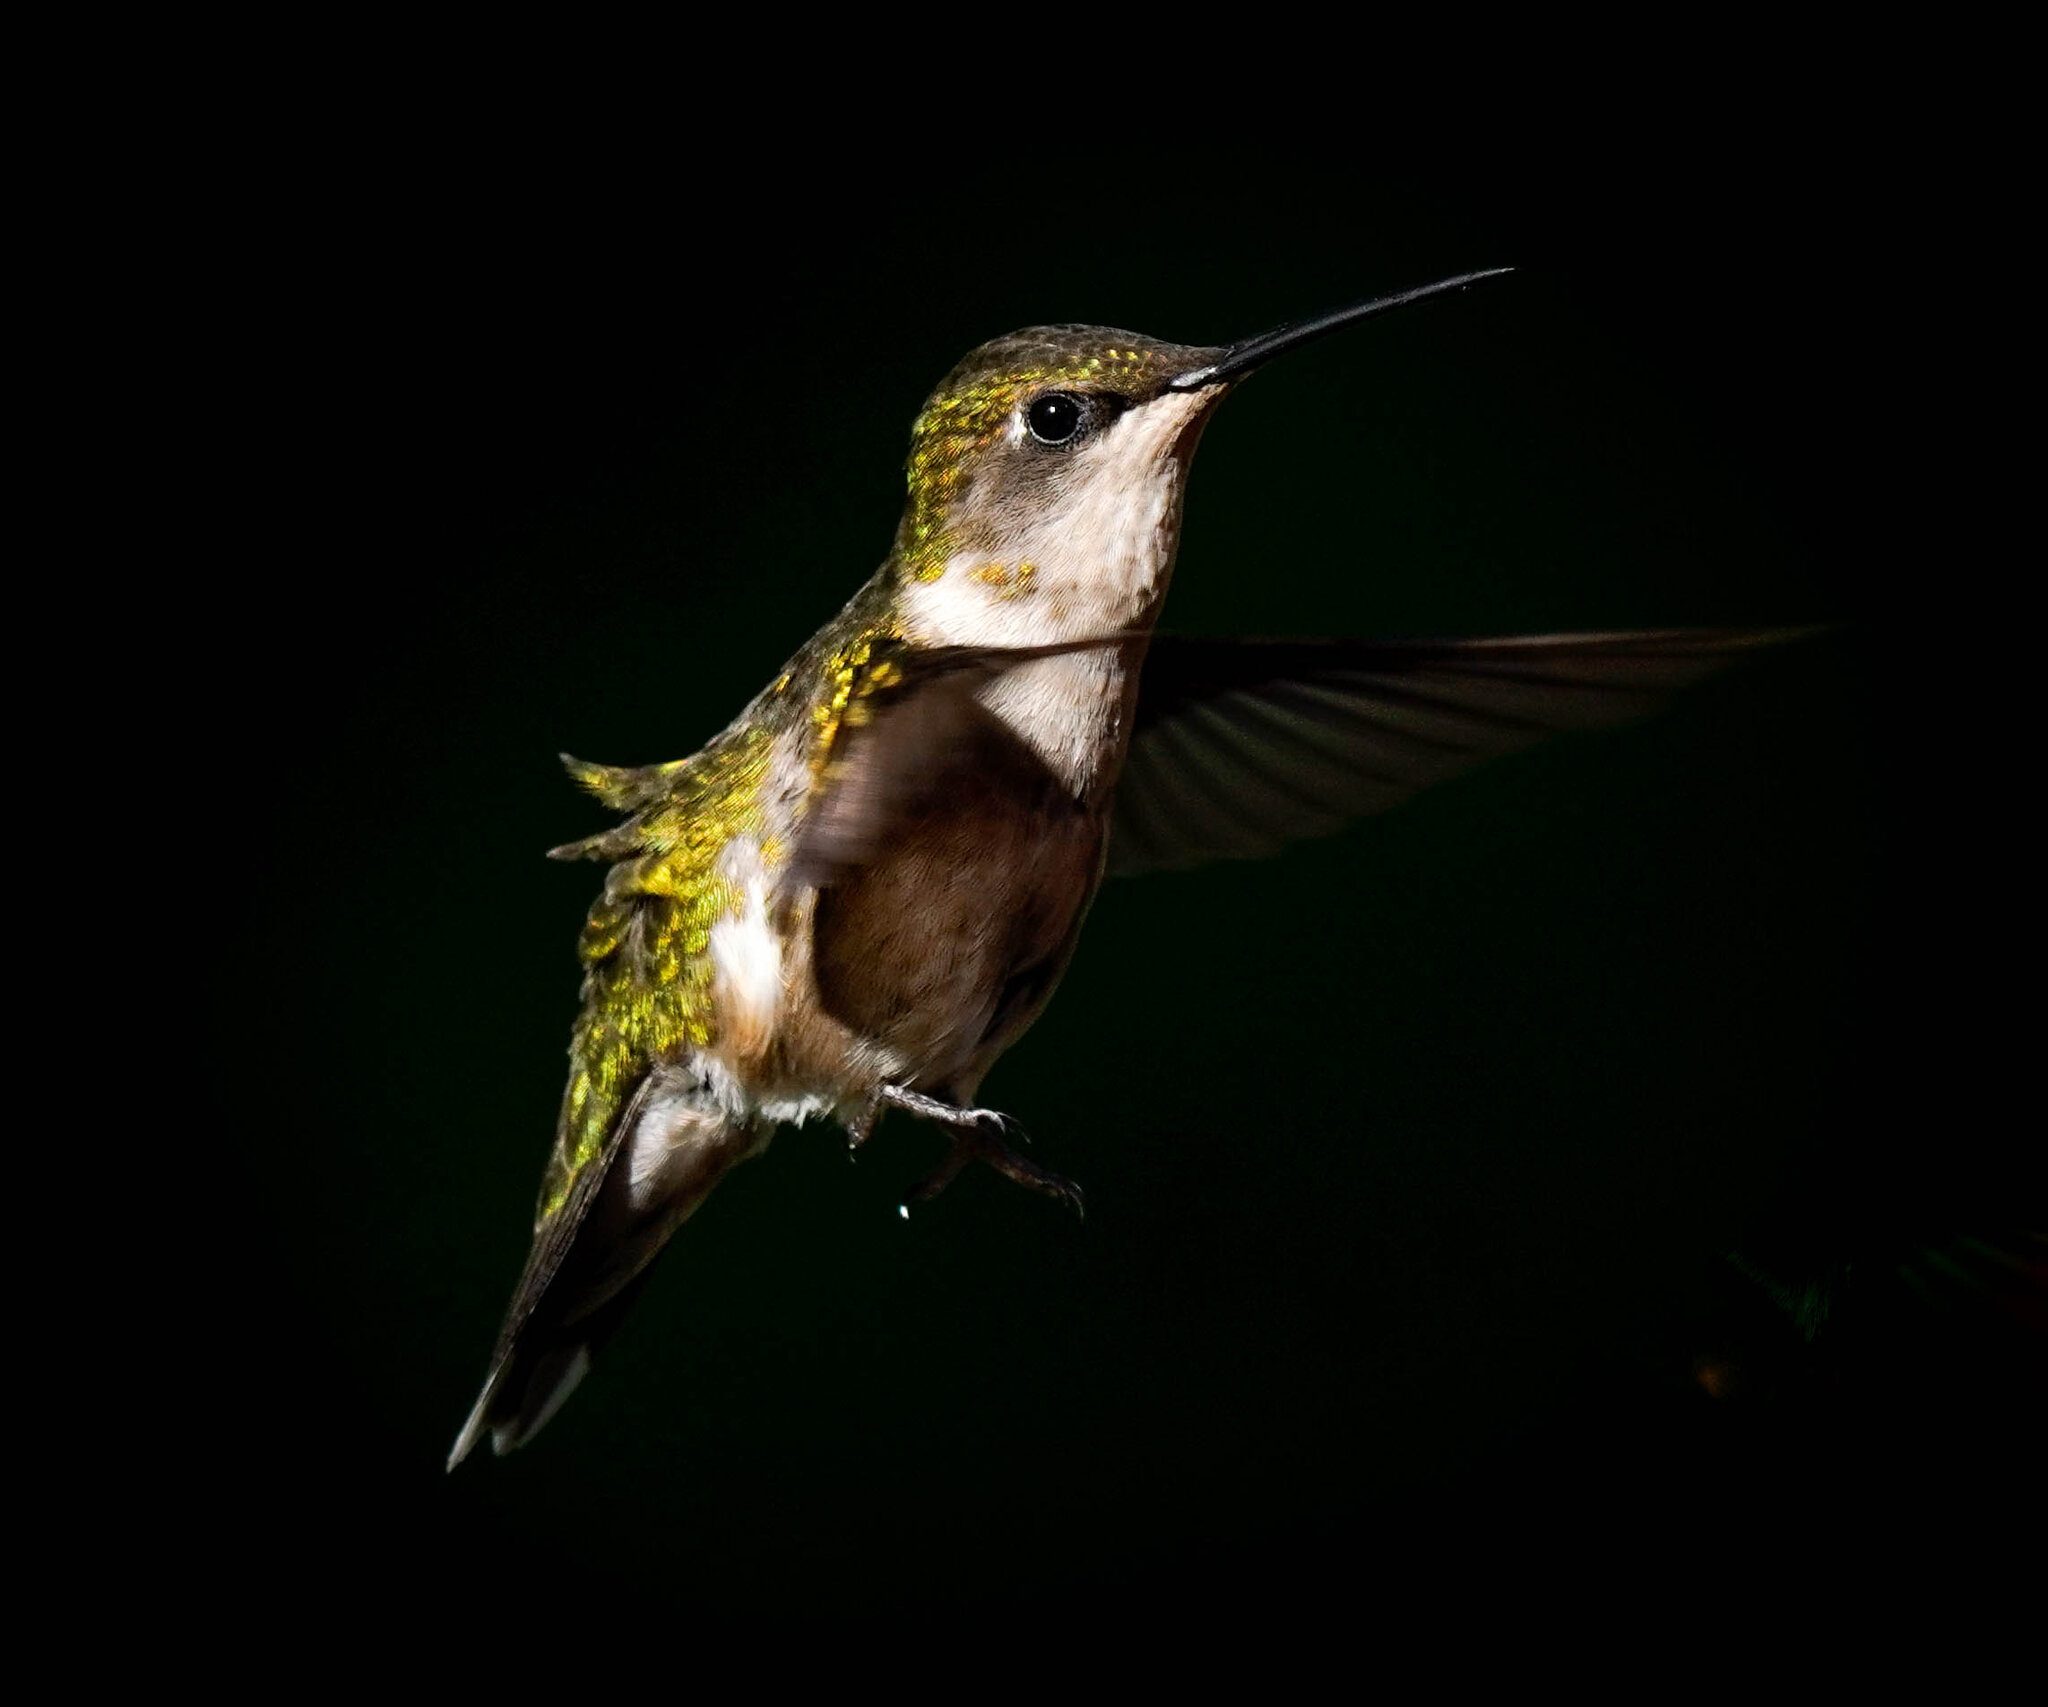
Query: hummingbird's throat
[
  {"x": 1082, "y": 557},
  {"x": 1066, "y": 547},
  {"x": 1006, "y": 580},
  {"x": 962, "y": 422}
]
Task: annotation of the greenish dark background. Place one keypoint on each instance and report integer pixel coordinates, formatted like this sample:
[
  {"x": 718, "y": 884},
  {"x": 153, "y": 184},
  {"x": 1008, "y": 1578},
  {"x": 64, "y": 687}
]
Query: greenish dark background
[{"x": 1412, "y": 1158}]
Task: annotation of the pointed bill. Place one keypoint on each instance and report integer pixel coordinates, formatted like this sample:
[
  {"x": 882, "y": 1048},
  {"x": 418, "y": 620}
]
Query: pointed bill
[{"x": 1240, "y": 358}]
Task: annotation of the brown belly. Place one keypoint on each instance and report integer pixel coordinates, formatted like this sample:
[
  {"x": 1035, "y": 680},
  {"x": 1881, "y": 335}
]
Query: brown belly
[{"x": 943, "y": 948}]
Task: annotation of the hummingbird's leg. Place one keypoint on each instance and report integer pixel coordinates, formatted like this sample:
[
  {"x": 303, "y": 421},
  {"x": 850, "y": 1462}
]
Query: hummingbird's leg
[
  {"x": 979, "y": 1135},
  {"x": 977, "y": 1144},
  {"x": 862, "y": 1126},
  {"x": 949, "y": 1114},
  {"x": 957, "y": 1158}
]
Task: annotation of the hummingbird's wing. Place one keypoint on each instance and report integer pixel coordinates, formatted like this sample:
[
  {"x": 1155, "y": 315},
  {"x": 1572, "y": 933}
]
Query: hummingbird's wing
[
  {"x": 1242, "y": 746},
  {"x": 908, "y": 739},
  {"x": 922, "y": 727}
]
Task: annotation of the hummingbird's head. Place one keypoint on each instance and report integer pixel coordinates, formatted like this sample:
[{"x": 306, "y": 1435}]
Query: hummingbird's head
[
  {"x": 1046, "y": 475},
  {"x": 1045, "y": 480}
]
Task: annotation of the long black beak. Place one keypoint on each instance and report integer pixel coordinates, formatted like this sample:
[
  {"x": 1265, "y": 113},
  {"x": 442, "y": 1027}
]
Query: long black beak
[{"x": 1240, "y": 359}]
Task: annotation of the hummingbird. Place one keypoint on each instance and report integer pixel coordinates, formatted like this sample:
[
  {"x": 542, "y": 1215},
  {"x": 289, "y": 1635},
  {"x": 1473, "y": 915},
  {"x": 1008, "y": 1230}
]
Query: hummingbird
[{"x": 865, "y": 889}]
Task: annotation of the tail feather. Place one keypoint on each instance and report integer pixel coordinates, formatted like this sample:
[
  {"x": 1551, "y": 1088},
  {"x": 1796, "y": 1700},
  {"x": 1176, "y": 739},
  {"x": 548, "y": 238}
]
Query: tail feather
[
  {"x": 546, "y": 1361},
  {"x": 521, "y": 1397},
  {"x": 590, "y": 1261}
]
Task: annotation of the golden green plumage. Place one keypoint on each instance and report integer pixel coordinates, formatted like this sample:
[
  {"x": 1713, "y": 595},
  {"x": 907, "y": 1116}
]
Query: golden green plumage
[
  {"x": 974, "y": 404},
  {"x": 645, "y": 948},
  {"x": 647, "y": 978},
  {"x": 645, "y": 944}
]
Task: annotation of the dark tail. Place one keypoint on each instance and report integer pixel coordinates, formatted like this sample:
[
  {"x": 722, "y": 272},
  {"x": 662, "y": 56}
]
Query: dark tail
[
  {"x": 590, "y": 1261},
  {"x": 536, "y": 1373}
]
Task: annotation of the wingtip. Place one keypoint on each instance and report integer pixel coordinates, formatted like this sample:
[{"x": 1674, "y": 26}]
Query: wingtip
[
  {"x": 472, "y": 1431},
  {"x": 1804, "y": 631},
  {"x": 1735, "y": 640}
]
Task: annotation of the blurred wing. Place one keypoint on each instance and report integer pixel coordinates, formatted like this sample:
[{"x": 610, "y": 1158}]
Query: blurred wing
[
  {"x": 1242, "y": 746},
  {"x": 880, "y": 771},
  {"x": 913, "y": 725}
]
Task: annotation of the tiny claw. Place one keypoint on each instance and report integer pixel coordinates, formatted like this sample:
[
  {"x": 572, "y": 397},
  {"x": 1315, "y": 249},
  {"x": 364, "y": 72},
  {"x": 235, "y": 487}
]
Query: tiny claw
[
  {"x": 1005, "y": 1126},
  {"x": 1053, "y": 1185}
]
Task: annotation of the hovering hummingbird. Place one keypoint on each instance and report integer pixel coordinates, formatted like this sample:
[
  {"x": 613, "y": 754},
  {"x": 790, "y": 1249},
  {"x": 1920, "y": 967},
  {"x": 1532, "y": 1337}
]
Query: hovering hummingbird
[{"x": 865, "y": 889}]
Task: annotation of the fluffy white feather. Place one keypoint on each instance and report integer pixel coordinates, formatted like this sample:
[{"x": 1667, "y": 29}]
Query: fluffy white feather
[{"x": 746, "y": 961}]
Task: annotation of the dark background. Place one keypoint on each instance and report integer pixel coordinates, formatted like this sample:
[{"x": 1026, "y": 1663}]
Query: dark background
[{"x": 1413, "y": 1159}]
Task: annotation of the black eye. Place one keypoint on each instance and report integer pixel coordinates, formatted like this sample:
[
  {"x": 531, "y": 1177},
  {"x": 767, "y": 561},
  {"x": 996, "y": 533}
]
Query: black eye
[{"x": 1054, "y": 418}]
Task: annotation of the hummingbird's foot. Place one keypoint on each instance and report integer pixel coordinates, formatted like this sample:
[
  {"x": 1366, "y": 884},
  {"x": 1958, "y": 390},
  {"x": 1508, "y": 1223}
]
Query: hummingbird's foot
[
  {"x": 980, "y": 1135},
  {"x": 946, "y": 1113},
  {"x": 977, "y": 1145}
]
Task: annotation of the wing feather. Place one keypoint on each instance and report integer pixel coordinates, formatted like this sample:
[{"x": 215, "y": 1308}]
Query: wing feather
[
  {"x": 920, "y": 715},
  {"x": 1242, "y": 746}
]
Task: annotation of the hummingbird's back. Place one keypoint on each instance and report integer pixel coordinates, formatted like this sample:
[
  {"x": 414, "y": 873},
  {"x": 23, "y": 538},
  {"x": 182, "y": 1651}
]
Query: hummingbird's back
[
  {"x": 673, "y": 949},
  {"x": 683, "y": 988}
]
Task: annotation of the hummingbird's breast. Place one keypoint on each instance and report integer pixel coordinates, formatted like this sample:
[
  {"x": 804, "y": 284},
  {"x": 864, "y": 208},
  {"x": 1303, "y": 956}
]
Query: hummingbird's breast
[
  {"x": 940, "y": 951},
  {"x": 922, "y": 959},
  {"x": 920, "y": 965}
]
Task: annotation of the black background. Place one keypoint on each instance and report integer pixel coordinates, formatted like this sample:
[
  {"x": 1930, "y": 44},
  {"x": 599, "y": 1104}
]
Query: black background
[{"x": 1413, "y": 1158}]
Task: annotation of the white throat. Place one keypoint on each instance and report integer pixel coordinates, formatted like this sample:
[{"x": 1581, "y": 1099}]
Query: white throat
[{"x": 1095, "y": 561}]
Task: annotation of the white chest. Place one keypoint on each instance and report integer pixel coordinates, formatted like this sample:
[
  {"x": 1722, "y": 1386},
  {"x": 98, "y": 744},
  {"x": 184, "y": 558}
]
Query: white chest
[
  {"x": 1068, "y": 710},
  {"x": 1093, "y": 568}
]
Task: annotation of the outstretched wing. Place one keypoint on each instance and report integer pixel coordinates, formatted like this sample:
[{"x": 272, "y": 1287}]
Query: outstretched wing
[{"x": 1242, "y": 746}]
